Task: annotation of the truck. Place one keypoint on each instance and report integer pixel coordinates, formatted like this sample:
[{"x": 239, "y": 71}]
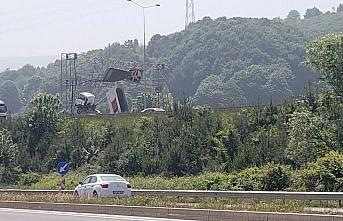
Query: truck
[
  {"x": 85, "y": 103},
  {"x": 3, "y": 110}
]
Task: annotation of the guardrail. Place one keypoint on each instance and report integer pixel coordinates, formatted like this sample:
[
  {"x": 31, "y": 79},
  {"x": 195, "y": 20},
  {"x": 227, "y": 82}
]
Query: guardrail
[
  {"x": 17, "y": 191},
  {"x": 244, "y": 194},
  {"x": 211, "y": 194}
]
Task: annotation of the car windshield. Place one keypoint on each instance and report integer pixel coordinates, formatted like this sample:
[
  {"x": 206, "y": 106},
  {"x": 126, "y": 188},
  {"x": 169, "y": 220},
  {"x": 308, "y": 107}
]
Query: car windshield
[
  {"x": 112, "y": 178},
  {"x": 3, "y": 109}
]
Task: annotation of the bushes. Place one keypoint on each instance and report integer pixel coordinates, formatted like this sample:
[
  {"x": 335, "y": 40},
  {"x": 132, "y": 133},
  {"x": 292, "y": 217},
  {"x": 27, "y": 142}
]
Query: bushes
[
  {"x": 305, "y": 180},
  {"x": 9, "y": 175},
  {"x": 213, "y": 181},
  {"x": 29, "y": 178},
  {"x": 200, "y": 145},
  {"x": 246, "y": 180},
  {"x": 276, "y": 177},
  {"x": 52, "y": 181},
  {"x": 9, "y": 172},
  {"x": 272, "y": 177},
  {"x": 326, "y": 174}
]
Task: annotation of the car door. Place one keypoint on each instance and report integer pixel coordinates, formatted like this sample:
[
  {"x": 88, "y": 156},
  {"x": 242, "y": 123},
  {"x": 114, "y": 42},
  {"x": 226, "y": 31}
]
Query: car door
[
  {"x": 82, "y": 189},
  {"x": 90, "y": 186}
]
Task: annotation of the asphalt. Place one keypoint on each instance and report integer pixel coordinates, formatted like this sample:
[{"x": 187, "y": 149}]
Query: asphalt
[{"x": 37, "y": 215}]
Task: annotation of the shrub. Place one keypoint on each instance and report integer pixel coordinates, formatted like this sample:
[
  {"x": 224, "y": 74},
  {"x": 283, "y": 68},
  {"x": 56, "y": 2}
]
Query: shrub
[
  {"x": 326, "y": 174},
  {"x": 213, "y": 181},
  {"x": 275, "y": 177},
  {"x": 29, "y": 178},
  {"x": 247, "y": 180}
]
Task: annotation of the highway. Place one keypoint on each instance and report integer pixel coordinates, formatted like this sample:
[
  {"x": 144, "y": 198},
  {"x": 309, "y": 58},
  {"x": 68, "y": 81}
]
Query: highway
[{"x": 37, "y": 215}]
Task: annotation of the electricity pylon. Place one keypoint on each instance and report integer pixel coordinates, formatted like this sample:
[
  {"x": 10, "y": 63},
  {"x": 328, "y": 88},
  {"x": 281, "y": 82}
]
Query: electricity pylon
[{"x": 190, "y": 14}]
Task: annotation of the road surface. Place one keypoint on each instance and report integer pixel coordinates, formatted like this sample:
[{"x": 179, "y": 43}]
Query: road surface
[{"x": 37, "y": 215}]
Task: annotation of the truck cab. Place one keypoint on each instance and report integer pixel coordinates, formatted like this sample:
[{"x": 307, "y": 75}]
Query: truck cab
[
  {"x": 3, "y": 110},
  {"x": 85, "y": 103}
]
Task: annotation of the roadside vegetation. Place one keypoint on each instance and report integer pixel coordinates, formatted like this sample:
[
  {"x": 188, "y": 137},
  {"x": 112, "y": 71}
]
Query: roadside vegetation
[
  {"x": 294, "y": 146},
  {"x": 318, "y": 176},
  {"x": 293, "y": 206}
]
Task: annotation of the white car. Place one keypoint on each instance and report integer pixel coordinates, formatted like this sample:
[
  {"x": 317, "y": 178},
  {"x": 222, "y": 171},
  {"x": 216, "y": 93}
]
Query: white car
[
  {"x": 103, "y": 185},
  {"x": 155, "y": 109}
]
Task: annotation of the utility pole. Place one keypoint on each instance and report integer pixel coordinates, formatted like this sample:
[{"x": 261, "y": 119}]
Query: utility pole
[
  {"x": 68, "y": 80},
  {"x": 144, "y": 47},
  {"x": 190, "y": 12}
]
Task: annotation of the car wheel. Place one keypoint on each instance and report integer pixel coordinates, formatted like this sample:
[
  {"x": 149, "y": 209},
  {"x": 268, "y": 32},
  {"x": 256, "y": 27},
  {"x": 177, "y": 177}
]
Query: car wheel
[
  {"x": 95, "y": 194},
  {"x": 76, "y": 193}
]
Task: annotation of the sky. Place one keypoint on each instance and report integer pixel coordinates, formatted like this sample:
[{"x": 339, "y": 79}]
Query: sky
[{"x": 48, "y": 27}]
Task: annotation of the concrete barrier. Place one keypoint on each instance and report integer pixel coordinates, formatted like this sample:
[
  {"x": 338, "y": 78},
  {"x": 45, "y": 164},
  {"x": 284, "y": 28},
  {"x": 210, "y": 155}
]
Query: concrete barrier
[{"x": 186, "y": 214}]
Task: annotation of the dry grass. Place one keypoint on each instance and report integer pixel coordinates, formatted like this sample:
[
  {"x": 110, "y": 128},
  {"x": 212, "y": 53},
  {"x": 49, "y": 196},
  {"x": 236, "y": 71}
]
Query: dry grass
[{"x": 177, "y": 202}]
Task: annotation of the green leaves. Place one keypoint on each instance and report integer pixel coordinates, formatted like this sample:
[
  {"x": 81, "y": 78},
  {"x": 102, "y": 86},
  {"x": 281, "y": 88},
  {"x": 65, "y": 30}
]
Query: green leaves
[
  {"x": 276, "y": 177},
  {"x": 323, "y": 175},
  {"x": 312, "y": 12},
  {"x": 326, "y": 55},
  {"x": 8, "y": 156},
  {"x": 42, "y": 121},
  {"x": 306, "y": 142},
  {"x": 8, "y": 150},
  {"x": 294, "y": 15}
]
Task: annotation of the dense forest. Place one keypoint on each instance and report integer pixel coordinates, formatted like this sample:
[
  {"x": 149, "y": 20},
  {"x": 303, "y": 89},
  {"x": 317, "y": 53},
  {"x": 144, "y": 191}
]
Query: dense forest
[
  {"x": 296, "y": 145},
  {"x": 221, "y": 63}
]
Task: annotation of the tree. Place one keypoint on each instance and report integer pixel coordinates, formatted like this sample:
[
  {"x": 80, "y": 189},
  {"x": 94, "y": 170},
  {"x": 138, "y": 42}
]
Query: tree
[
  {"x": 42, "y": 120},
  {"x": 9, "y": 93},
  {"x": 264, "y": 82},
  {"x": 32, "y": 86},
  {"x": 326, "y": 174},
  {"x": 248, "y": 180},
  {"x": 294, "y": 15},
  {"x": 235, "y": 95},
  {"x": 312, "y": 12},
  {"x": 340, "y": 8},
  {"x": 306, "y": 141},
  {"x": 211, "y": 92},
  {"x": 275, "y": 177},
  {"x": 8, "y": 154},
  {"x": 326, "y": 55}
]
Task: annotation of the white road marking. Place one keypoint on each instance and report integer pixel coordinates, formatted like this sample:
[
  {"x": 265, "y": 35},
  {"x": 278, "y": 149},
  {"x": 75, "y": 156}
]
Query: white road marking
[
  {"x": 63, "y": 168},
  {"x": 86, "y": 215}
]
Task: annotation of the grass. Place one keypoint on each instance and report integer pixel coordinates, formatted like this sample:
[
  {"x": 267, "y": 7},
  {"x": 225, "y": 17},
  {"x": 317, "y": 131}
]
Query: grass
[
  {"x": 52, "y": 181},
  {"x": 202, "y": 182},
  {"x": 178, "y": 202},
  {"x": 215, "y": 181}
]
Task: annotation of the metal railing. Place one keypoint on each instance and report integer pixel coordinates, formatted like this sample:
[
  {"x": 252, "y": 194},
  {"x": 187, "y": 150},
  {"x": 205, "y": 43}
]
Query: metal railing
[
  {"x": 244, "y": 194},
  {"x": 211, "y": 194}
]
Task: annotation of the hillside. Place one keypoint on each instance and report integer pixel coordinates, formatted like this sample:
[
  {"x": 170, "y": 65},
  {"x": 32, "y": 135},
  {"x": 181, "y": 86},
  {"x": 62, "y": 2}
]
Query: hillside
[
  {"x": 295, "y": 145},
  {"x": 222, "y": 62},
  {"x": 320, "y": 25},
  {"x": 216, "y": 59},
  {"x": 241, "y": 61}
]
